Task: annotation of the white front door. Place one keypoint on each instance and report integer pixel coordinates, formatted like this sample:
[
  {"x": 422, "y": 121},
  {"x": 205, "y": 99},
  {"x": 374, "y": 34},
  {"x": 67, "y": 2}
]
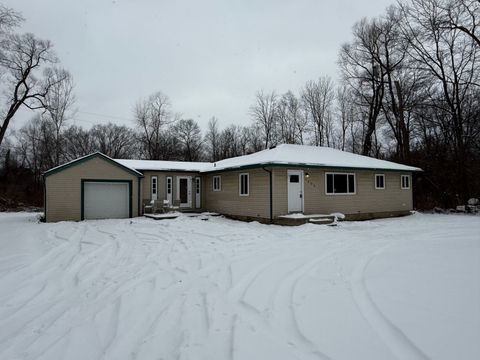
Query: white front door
[
  {"x": 184, "y": 190},
  {"x": 295, "y": 190},
  {"x": 169, "y": 189},
  {"x": 198, "y": 184},
  {"x": 154, "y": 186}
]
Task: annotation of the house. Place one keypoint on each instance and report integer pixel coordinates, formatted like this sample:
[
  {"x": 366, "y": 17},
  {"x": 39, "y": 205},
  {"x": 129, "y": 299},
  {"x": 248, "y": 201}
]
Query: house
[{"x": 261, "y": 186}]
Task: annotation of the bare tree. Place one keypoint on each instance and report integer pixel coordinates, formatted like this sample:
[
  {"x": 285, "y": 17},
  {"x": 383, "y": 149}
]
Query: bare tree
[
  {"x": 35, "y": 143},
  {"x": 229, "y": 142},
  {"x": 462, "y": 15},
  {"x": 116, "y": 141},
  {"x": 318, "y": 97},
  {"x": 264, "y": 115},
  {"x": 212, "y": 138},
  {"x": 58, "y": 104},
  {"x": 152, "y": 116},
  {"x": 78, "y": 142},
  {"x": 21, "y": 57},
  {"x": 9, "y": 19},
  {"x": 451, "y": 61},
  {"x": 291, "y": 122},
  {"x": 345, "y": 110},
  {"x": 189, "y": 136},
  {"x": 359, "y": 67}
]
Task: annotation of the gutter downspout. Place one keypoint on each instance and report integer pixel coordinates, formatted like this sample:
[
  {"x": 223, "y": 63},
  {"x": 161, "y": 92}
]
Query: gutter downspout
[{"x": 271, "y": 194}]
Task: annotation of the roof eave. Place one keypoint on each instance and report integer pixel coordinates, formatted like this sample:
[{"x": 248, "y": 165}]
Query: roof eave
[{"x": 306, "y": 165}]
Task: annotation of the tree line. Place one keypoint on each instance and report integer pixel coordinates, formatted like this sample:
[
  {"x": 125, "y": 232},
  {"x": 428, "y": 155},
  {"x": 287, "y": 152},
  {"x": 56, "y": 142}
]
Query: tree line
[{"x": 408, "y": 91}]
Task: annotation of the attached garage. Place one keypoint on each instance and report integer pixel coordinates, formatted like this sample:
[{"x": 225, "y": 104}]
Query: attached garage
[{"x": 92, "y": 187}]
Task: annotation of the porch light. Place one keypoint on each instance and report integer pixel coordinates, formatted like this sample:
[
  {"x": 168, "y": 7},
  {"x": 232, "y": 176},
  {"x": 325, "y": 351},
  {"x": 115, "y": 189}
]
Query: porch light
[{"x": 307, "y": 175}]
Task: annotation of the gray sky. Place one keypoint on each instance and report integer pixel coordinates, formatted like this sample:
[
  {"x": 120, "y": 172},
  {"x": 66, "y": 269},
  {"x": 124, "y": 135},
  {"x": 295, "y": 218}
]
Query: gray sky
[{"x": 209, "y": 57}]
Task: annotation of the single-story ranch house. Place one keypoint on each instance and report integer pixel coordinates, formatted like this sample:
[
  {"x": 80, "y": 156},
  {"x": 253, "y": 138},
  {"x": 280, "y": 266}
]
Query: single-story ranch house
[{"x": 261, "y": 186}]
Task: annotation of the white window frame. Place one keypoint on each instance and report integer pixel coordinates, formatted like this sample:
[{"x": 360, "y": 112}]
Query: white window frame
[
  {"x": 219, "y": 188},
  {"x": 240, "y": 184},
  {"x": 401, "y": 182},
  {"x": 341, "y": 194},
  {"x": 154, "y": 194},
  {"x": 377, "y": 187}
]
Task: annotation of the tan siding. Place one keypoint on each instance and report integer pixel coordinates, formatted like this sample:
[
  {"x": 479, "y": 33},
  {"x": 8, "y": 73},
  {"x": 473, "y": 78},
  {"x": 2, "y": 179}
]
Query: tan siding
[
  {"x": 229, "y": 202},
  {"x": 63, "y": 189},
  {"x": 366, "y": 200},
  {"x": 161, "y": 176}
]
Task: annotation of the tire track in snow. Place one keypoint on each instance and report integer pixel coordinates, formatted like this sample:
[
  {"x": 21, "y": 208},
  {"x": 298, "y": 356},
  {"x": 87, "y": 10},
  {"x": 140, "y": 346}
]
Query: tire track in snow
[
  {"x": 393, "y": 337},
  {"x": 282, "y": 305}
]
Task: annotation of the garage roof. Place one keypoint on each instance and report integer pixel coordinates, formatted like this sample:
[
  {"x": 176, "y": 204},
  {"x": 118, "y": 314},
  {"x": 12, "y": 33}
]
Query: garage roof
[{"x": 88, "y": 157}]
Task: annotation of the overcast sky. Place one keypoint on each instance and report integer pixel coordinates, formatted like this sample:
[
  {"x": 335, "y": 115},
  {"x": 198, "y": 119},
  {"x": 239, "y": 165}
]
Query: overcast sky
[{"x": 209, "y": 57}]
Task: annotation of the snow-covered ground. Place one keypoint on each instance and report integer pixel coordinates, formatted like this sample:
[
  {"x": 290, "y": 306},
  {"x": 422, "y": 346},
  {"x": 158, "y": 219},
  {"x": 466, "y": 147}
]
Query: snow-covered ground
[{"x": 405, "y": 288}]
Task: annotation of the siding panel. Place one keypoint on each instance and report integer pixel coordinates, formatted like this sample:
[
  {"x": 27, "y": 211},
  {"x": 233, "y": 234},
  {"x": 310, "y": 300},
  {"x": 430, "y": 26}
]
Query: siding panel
[
  {"x": 229, "y": 202},
  {"x": 366, "y": 200}
]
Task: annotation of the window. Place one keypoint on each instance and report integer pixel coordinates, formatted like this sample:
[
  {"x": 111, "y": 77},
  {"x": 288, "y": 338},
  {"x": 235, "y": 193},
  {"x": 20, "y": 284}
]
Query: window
[
  {"x": 405, "y": 181},
  {"x": 217, "y": 183},
  {"x": 379, "y": 181},
  {"x": 154, "y": 188},
  {"x": 197, "y": 185},
  {"x": 244, "y": 184},
  {"x": 339, "y": 184},
  {"x": 294, "y": 178}
]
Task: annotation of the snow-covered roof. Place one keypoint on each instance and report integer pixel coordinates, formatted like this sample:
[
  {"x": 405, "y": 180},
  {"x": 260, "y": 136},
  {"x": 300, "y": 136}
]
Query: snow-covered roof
[
  {"x": 285, "y": 154},
  {"x": 162, "y": 165},
  {"x": 86, "y": 157},
  {"x": 318, "y": 156}
]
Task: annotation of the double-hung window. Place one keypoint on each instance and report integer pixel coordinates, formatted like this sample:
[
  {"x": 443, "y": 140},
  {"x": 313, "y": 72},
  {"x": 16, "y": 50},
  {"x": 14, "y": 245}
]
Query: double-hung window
[
  {"x": 244, "y": 184},
  {"x": 379, "y": 181},
  {"x": 405, "y": 180},
  {"x": 217, "y": 183},
  {"x": 339, "y": 184}
]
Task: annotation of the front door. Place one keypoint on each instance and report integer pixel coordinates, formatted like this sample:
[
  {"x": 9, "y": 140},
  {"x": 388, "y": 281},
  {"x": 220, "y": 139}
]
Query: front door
[
  {"x": 198, "y": 203},
  {"x": 184, "y": 191},
  {"x": 169, "y": 190},
  {"x": 295, "y": 190}
]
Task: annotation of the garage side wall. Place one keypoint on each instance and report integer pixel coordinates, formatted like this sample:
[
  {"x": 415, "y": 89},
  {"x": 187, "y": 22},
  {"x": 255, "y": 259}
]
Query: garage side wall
[
  {"x": 63, "y": 189},
  {"x": 367, "y": 202}
]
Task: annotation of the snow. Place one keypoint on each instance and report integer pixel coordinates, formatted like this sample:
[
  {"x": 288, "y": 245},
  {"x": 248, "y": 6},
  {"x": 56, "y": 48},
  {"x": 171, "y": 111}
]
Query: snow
[
  {"x": 284, "y": 154},
  {"x": 310, "y": 216},
  {"x": 87, "y": 156},
  {"x": 403, "y": 288},
  {"x": 288, "y": 154},
  {"x": 161, "y": 165}
]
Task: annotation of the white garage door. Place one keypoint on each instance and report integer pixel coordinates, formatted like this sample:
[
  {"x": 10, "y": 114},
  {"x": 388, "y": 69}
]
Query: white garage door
[{"x": 105, "y": 200}]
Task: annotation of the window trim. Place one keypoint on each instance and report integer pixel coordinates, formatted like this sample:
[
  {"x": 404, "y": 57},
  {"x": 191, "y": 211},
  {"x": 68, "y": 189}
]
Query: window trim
[
  {"x": 401, "y": 182},
  {"x": 380, "y": 188},
  {"x": 341, "y": 194},
  {"x": 219, "y": 177},
  {"x": 240, "y": 184}
]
